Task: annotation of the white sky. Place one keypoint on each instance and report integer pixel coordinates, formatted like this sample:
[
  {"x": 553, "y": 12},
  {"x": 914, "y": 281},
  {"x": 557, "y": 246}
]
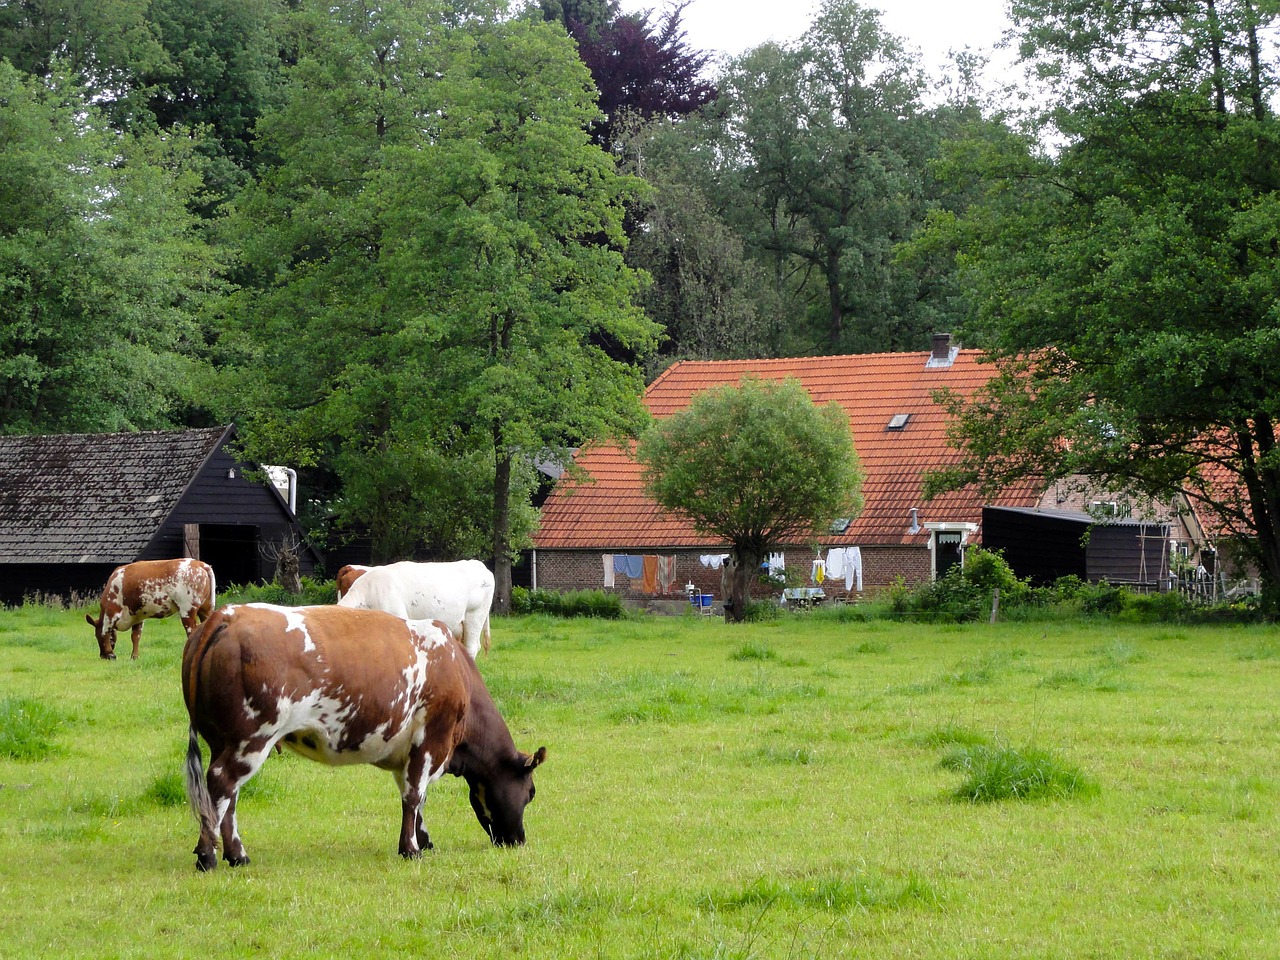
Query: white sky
[{"x": 932, "y": 26}]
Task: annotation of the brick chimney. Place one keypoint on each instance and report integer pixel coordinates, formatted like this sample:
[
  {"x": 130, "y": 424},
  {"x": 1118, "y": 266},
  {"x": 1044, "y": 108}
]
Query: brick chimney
[{"x": 940, "y": 351}]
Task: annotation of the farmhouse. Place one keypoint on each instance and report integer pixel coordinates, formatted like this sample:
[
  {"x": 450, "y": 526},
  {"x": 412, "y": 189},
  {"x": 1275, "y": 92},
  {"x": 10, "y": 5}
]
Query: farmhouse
[
  {"x": 601, "y": 531},
  {"x": 73, "y": 507},
  {"x": 899, "y": 432}
]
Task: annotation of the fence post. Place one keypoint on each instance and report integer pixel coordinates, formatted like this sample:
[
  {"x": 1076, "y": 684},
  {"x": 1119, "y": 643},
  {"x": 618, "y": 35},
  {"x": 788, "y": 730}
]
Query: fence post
[{"x": 995, "y": 603}]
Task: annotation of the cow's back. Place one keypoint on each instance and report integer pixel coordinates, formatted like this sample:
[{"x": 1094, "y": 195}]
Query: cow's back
[
  {"x": 355, "y": 676},
  {"x": 158, "y": 588},
  {"x": 459, "y": 594}
]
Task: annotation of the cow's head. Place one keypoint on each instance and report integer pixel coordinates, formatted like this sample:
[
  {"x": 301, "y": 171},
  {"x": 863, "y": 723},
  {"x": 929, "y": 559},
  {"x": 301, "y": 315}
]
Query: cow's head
[
  {"x": 499, "y": 801},
  {"x": 104, "y": 629}
]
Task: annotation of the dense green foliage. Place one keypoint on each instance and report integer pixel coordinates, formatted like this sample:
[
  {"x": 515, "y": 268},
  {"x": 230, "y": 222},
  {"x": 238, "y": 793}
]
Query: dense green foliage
[
  {"x": 695, "y": 803},
  {"x": 1128, "y": 280},
  {"x": 757, "y": 464},
  {"x": 103, "y": 275}
]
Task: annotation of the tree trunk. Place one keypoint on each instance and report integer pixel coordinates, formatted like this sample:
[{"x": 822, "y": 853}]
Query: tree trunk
[
  {"x": 835, "y": 299},
  {"x": 501, "y": 534},
  {"x": 745, "y": 561}
]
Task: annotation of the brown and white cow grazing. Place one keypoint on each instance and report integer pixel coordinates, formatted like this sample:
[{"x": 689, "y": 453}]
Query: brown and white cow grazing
[
  {"x": 152, "y": 589},
  {"x": 349, "y": 575},
  {"x": 459, "y": 594},
  {"x": 344, "y": 686}
]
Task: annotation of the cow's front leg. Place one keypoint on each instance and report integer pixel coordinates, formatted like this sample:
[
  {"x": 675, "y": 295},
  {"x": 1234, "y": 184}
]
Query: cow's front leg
[
  {"x": 410, "y": 846},
  {"x": 413, "y": 781},
  {"x": 135, "y": 634}
]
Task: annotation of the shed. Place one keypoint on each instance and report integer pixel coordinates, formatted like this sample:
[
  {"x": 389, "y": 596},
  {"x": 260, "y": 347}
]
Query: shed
[
  {"x": 74, "y": 506},
  {"x": 1043, "y": 545}
]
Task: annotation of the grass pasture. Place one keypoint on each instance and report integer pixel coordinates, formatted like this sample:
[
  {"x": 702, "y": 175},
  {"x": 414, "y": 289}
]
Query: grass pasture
[{"x": 797, "y": 788}]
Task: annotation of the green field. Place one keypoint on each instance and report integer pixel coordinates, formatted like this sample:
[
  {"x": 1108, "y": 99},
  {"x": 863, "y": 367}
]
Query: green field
[{"x": 781, "y": 789}]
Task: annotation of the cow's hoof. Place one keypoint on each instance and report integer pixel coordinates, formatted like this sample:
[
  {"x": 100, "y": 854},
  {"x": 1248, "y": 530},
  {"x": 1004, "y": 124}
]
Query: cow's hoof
[
  {"x": 411, "y": 854},
  {"x": 205, "y": 862},
  {"x": 108, "y": 656},
  {"x": 237, "y": 861}
]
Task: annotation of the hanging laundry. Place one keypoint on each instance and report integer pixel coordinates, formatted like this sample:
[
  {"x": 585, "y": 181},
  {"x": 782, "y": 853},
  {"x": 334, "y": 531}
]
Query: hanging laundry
[
  {"x": 713, "y": 560},
  {"x": 855, "y": 560},
  {"x": 608, "y": 570},
  {"x": 845, "y": 563},
  {"x": 819, "y": 571},
  {"x": 777, "y": 565},
  {"x": 649, "y": 573},
  {"x": 633, "y": 566},
  {"x": 666, "y": 573}
]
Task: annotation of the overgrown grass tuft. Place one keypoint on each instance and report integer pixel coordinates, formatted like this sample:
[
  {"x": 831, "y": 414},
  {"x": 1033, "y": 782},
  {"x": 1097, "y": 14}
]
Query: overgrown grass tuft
[
  {"x": 1005, "y": 773},
  {"x": 166, "y": 790},
  {"x": 754, "y": 650},
  {"x": 27, "y": 728}
]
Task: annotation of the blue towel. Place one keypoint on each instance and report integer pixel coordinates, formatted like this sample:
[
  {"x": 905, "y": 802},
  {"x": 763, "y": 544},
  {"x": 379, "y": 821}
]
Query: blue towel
[{"x": 633, "y": 566}]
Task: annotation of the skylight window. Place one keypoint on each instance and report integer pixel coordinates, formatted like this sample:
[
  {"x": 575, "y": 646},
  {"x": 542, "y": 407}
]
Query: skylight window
[{"x": 898, "y": 421}]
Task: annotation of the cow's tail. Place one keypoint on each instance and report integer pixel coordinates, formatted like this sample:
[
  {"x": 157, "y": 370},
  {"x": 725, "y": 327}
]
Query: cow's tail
[
  {"x": 484, "y": 635},
  {"x": 197, "y": 789}
]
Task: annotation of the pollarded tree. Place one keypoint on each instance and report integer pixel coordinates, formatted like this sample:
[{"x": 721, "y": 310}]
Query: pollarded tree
[
  {"x": 1128, "y": 281},
  {"x": 758, "y": 465}
]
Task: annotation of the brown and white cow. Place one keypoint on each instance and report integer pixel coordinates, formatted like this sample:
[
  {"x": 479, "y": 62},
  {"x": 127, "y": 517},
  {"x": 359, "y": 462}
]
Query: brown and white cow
[
  {"x": 349, "y": 575},
  {"x": 152, "y": 589},
  {"x": 344, "y": 686},
  {"x": 459, "y": 594}
]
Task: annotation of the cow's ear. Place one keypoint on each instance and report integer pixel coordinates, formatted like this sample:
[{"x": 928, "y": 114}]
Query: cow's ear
[
  {"x": 90, "y": 621},
  {"x": 536, "y": 758}
]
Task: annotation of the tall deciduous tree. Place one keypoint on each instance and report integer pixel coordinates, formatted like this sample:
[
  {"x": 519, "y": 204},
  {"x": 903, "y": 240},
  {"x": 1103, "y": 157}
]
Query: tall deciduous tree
[
  {"x": 103, "y": 275},
  {"x": 757, "y": 464},
  {"x": 435, "y": 263},
  {"x": 825, "y": 145},
  {"x": 1128, "y": 282}
]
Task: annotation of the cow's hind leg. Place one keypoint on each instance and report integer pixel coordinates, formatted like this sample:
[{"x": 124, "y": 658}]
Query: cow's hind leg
[
  {"x": 135, "y": 634},
  {"x": 227, "y": 774}
]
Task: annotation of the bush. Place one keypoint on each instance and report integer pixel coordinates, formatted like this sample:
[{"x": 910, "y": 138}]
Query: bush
[
  {"x": 314, "y": 593},
  {"x": 570, "y": 603},
  {"x": 962, "y": 593}
]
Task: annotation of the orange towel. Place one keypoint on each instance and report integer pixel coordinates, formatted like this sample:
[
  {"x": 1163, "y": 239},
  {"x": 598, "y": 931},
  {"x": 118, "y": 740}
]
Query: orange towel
[{"x": 649, "y": 579}]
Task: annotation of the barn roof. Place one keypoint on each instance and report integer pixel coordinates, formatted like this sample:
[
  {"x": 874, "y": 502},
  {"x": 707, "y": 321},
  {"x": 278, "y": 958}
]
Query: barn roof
[
  {"x": 94, "y": 498},
  {"x": 898, "y": 429}
]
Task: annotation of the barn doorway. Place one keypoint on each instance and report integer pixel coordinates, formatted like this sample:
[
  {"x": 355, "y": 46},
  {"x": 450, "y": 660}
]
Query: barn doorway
[{"x": 232, "y": 551}]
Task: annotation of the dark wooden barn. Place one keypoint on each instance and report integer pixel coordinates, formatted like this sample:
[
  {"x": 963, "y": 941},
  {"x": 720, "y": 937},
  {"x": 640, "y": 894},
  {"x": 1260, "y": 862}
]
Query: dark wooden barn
[
  {"x": 74, "y": 506},
  {"x": 1043, "y": 545}
]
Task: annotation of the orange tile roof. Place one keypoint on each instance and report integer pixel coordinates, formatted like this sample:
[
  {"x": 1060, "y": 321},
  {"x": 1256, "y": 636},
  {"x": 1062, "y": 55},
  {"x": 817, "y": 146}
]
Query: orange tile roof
[{"x": 612, "y": 512}]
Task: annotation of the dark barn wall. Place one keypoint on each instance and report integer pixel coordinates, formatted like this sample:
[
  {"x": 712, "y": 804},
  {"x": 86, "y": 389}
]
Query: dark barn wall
[
  {"x": 1036, "y": 545},
  {"x": 1115, "y": 553},
  {"x": 66, "y": 580},
  {"x": 237, "y": 516}
]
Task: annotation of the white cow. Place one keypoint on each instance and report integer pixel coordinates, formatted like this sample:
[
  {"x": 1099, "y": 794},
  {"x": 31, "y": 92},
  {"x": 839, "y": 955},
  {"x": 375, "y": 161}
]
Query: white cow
[{"x": 459, "y": 594}]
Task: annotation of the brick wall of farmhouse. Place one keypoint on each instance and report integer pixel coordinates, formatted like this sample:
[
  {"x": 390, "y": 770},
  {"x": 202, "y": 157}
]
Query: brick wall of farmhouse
[{"x": 584, "y": 570}]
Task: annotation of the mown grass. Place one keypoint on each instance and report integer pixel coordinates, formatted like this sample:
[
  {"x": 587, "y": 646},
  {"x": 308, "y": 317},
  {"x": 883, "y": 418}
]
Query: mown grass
[{"x": 789, "y": 788}]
